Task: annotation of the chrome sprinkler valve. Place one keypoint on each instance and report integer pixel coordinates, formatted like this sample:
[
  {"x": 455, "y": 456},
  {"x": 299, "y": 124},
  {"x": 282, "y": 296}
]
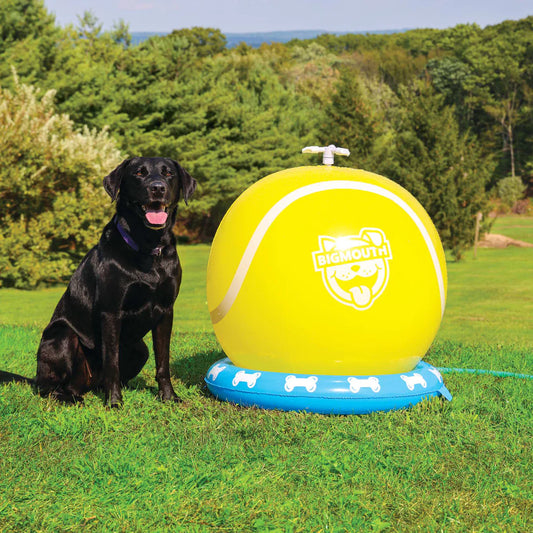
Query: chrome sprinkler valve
[{"x": 328, "y": 151}]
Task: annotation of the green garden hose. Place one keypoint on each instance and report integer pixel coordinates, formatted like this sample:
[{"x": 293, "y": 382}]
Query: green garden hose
[{"x": 496, "y": 373}]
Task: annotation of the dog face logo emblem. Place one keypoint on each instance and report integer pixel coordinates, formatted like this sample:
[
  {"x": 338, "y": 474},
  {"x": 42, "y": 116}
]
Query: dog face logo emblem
[{"x": 355, "y": 269}]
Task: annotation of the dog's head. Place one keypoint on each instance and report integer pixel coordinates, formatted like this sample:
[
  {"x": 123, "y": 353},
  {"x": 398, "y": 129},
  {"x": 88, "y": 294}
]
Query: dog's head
[{"x": 150, "y": 187}]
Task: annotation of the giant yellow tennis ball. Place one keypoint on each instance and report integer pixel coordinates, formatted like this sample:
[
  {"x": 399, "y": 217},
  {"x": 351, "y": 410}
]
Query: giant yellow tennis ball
[{"x": 326, "y": 270}]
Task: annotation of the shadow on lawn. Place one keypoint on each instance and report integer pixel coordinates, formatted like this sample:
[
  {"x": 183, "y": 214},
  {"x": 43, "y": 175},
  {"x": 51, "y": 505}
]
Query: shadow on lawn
[
  {"x": 190, "y": 360},
  {"x": 191, "y": 370}
]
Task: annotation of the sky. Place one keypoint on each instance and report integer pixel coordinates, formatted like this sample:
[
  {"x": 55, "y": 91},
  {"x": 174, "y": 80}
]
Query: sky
[{"x": 243, "y": 16}]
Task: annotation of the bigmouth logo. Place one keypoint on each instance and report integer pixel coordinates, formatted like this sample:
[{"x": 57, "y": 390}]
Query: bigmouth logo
[{"x": 355, "y": 269}]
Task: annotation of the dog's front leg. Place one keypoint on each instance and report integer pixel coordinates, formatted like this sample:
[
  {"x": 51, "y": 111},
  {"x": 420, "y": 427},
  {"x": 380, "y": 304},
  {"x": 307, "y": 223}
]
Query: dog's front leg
[
  {"x": 161, "y": 338},
  {"x": 110, "y": 354}
]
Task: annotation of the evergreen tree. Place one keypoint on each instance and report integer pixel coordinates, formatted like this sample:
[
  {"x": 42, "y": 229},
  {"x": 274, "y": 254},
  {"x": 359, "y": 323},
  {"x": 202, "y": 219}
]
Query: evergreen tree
[
  {"x": 349, "y": 120},
  {"x": 443, "y": 168},
  {"x": 28, "y": 40}
]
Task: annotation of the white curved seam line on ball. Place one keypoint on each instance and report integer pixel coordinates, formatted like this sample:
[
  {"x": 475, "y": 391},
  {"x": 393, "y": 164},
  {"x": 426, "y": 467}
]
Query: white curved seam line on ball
[{"x": 238, "y": 279}]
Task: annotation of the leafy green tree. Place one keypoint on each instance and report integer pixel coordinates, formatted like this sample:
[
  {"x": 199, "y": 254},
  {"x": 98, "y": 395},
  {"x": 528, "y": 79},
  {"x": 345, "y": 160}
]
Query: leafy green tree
[
  {"x": 52, "y": 201},
  {"x": 398, "y": 67},
  {"x": 455, "y": 80},
  {"x": 487, "y": 75},
  {"x": 499, "y": 63},
  {"x": 311, "y": 70}
]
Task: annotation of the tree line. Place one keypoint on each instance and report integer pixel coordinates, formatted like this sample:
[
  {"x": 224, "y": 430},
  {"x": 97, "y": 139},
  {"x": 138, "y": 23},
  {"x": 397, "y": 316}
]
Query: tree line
[{"x": 446, "y": 113}]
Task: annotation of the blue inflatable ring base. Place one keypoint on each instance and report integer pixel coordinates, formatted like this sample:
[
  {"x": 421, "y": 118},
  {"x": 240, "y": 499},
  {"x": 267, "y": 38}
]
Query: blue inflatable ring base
[{"x": 343, "y": 395}]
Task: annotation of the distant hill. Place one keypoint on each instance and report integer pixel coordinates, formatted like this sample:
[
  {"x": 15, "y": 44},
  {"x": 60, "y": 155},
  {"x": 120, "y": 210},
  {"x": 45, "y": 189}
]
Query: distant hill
[{"x": 256, "y": 39}]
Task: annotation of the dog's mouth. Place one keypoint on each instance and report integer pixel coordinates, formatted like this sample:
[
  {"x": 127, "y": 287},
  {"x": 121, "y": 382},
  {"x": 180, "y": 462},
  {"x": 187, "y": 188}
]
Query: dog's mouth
[{"x": 155, "y": 214}]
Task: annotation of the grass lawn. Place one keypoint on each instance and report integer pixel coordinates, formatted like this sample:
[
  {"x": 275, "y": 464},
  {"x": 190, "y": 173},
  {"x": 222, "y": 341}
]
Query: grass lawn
[
  {"x": 210, "y": 466},
  {"x": 490, "y": 299}
]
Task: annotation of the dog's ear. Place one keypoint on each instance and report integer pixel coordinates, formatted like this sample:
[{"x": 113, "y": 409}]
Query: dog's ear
[
  {"x": 112, "y": 181},
  {"x": 187, "y": 182}
]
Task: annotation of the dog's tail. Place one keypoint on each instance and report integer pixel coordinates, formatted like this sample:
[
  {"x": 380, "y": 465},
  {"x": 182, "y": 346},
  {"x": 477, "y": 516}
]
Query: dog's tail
[{"x": 6, "y": 377}]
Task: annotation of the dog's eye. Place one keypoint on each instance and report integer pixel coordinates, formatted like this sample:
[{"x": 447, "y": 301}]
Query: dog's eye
[
  {"x": 141, "y": 172},
  {"x": 166, "y": 171}
]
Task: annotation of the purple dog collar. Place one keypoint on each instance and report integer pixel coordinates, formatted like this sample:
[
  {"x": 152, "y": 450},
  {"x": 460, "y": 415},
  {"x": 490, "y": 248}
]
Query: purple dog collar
[{"x": 131, "y": 243}]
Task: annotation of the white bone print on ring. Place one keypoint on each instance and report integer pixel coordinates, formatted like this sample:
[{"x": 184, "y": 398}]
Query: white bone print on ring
[
  {"x": 415, "y": 379},
  {"x": 216, "y": 370},
  {"x": 309, "y": 383},
  {"x": 249, "y": 379},
  {"x": 357, "y": 383},
  {"x": 436, "y": 373}
]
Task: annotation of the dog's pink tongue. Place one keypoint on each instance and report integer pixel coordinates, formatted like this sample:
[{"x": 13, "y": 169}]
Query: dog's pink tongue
[{"x": 157, "y": 218}]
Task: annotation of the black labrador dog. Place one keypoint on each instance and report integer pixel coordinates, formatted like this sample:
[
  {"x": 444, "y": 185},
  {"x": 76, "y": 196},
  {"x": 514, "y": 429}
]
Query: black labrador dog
[{"x": 124, "y": 287}]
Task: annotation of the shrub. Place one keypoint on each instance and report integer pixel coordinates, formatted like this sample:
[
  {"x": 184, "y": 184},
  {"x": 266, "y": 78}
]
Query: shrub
[
  {"x": 510, "y": 190},
  {"x": 52, "y": 203}
]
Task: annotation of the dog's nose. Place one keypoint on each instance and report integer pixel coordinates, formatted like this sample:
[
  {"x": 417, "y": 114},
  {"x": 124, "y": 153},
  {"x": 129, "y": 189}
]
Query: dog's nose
[{"x": 158, "y": 188}]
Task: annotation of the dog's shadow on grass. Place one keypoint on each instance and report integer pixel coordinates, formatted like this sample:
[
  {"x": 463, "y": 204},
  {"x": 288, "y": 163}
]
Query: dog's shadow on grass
[
  {"x": 189, "y": 370},
  {"x": 192, "y": 370}
]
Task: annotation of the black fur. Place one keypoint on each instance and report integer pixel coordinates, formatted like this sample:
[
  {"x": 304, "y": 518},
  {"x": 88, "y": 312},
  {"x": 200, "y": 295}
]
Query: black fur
[{"x": 118, "y": 294}]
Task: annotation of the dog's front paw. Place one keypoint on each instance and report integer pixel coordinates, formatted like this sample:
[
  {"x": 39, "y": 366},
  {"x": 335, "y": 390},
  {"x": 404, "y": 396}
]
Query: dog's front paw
[
  {"x": 168, "y": 395},
  {"x": 114, "y": 404},
  {"x": 114, "y": 400}
]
